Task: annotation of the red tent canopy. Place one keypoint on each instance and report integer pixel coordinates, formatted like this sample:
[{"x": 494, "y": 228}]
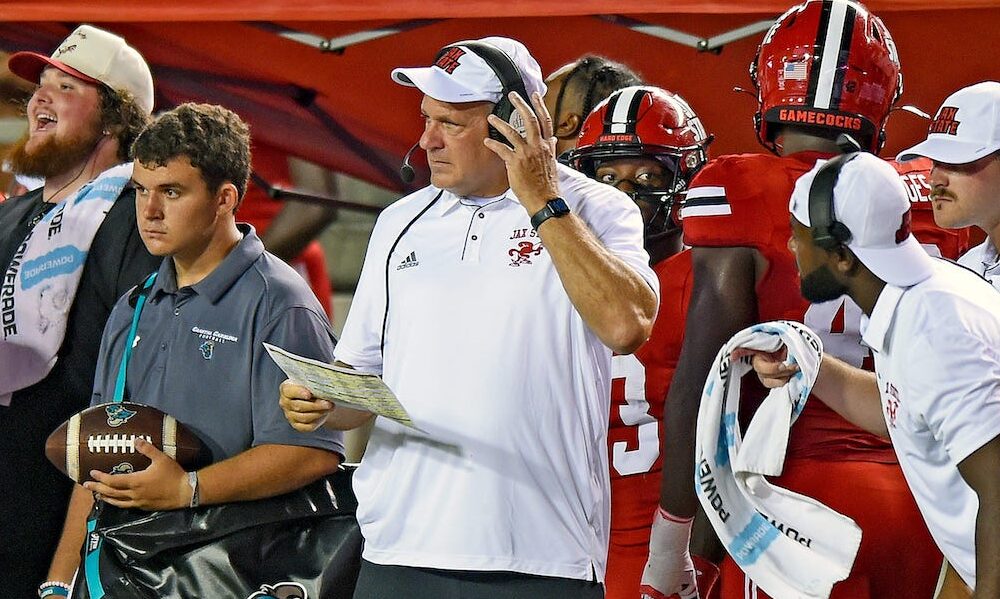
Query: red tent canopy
[{"x": 267, "y": 60}]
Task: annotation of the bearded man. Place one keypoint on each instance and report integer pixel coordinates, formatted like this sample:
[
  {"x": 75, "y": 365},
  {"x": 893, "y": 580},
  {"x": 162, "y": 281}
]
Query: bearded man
[{"x": 74, "y": 238}]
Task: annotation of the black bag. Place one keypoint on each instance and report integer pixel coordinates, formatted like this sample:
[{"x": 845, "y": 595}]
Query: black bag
[{"x": 302, "y": 545}]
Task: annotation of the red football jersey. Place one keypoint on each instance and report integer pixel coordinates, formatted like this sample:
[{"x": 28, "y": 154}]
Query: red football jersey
[
  {"x": 742, "y": 200},
  {"x": 638, "y": 392}
]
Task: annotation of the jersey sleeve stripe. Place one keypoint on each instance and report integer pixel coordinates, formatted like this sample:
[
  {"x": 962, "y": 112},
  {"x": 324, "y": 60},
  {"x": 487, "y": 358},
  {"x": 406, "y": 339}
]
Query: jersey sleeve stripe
[
  {"x": 698, "y": 193},
  {"x": 706, "y": 201},
  {"x": 706, "y": 210}
]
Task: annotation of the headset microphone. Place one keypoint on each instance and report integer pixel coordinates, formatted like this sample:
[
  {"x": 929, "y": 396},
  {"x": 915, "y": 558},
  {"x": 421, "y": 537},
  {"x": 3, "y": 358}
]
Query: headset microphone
[{"x": 406, "y": 172}]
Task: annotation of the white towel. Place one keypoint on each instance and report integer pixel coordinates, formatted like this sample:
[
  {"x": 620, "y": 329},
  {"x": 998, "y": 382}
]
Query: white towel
[
  {"x": 42, "y": 279},
  {"x": 791, "y": 545}
]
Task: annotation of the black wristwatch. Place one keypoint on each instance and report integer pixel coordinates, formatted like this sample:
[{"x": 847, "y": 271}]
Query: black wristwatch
[{"x": 554, "y": 208}]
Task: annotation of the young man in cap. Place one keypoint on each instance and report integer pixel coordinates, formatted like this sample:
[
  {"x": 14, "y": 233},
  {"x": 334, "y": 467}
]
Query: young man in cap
[
  {"x": 934, "y": 330},
  {"x": 490, "y": 302},
  {"x": 963, "y": 142},
  {"x": 68, "y": 250},
  {"x": 197, "y": 352}
]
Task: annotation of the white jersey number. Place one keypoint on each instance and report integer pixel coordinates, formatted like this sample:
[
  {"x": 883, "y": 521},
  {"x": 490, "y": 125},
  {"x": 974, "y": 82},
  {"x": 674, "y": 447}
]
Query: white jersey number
[
  {"x": 838, "y": 323},
  {"x": 634, "y": 412}
]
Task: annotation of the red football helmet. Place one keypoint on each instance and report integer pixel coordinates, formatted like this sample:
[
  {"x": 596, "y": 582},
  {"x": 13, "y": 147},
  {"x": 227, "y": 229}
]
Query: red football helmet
[
  {"x": 645, "y": 122},
  {"x": 827, "y": 64}
]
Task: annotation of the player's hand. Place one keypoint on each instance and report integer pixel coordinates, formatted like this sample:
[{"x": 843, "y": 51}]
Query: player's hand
[
  {"x": 771, "y": 367},
  {"x": 669, "y": 571},
  {"x": 531, "y": 162},
  {"x": 163, "y": 485},
  {"x": 302, "y": 411}
]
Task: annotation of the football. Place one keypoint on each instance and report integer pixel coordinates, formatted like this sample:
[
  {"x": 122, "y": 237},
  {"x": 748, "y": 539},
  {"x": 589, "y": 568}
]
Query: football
[{"x": 103, "y": 438}]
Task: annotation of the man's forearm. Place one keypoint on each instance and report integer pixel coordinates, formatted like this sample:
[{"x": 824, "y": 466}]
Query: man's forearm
[
  {"x": 264, "y": 471},
  {"x": 988, "y": 550},
  {"x": 615, "y": 302},
  {"x": 345, "y": 419},
  {"x": 851, "y": 392},
  {"x": 979, "y": 470},
  {"x": 66, "y": 559}
]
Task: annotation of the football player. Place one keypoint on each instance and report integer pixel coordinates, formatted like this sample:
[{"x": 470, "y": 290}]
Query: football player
[
  {"x": 825, "y": 68},
  {"x": 647, "y": 142}
]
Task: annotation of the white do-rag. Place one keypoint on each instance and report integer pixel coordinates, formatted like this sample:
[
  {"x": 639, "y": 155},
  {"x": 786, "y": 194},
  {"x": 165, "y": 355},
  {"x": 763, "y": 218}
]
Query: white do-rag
[{"x": 790, "y": 545}]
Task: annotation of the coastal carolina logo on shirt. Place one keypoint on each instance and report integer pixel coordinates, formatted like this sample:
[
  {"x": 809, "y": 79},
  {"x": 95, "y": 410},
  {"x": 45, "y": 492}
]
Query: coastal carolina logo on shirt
[
  {"x": 215, "y": 336},
  {"x": 210, "y": 339},
  {"x": 282, "y": 590}
]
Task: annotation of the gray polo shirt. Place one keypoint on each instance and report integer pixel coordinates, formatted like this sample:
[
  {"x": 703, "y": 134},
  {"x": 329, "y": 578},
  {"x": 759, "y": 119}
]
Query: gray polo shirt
[{"x": 199, "y": 353}]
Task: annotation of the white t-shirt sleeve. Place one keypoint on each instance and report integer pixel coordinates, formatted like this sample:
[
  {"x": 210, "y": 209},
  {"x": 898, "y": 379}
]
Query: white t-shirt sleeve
[
  {"x": 955, "y": 376},
  {"x": 360, "y": 345}
]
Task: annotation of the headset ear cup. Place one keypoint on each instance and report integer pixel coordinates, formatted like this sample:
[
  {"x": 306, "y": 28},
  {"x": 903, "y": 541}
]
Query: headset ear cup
[
  {"x": 840, "y": 233},
  {"x": 503, "y": 110}
]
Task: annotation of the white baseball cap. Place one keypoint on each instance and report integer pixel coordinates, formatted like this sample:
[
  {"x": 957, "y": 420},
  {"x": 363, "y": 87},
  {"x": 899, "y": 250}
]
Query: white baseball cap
[
  {"x": 870, "y": 200},
  {"x": 95, "y": 56},
  {"x": 461, "y": 75},
  {"x": 966, "y": 127}
]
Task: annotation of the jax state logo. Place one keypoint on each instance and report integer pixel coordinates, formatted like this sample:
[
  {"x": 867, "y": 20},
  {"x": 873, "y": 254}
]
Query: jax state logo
[
  {"x": 891, "y": 403},
  {"x": 448, "y": 60},
  {"x": 118, "y": 415},
  {"x": 282, "y": 590},
  {"x": 522, "y": 254}
]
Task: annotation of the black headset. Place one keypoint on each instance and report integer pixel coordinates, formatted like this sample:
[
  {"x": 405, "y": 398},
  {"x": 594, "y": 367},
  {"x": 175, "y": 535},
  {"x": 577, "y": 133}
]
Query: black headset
[
  {"x": 510, "y": 81},
  {"x": 827, "y": 231}
]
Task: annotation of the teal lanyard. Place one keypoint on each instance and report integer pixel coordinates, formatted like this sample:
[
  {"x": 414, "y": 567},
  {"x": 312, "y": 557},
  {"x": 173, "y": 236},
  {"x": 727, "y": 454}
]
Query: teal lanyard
[
  {"x": 130, "y": 341},
  {"x": 92, "y": 565}
]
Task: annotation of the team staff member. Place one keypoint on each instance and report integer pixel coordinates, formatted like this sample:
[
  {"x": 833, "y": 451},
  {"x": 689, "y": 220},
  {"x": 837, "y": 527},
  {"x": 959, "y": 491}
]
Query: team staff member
[
  {"x": 736, "y": 220},
  {"x": 94, "y": 95},
  {"x": 197, "y": 353},
  {"x": 574, "y": 89},
  {"x": 649, "y": 143},
  {"x": 934, "y": 328},
  {"x": 504, "y": 305},
  {"x": 963, "y": 141}
]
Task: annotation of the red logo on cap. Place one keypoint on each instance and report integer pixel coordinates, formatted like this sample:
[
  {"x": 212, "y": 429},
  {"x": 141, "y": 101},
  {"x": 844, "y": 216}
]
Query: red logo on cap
[
  {"x": 945, "y": 121},
  {"x": 904, "y": 228},
  {"x": 448, "y": 60}
]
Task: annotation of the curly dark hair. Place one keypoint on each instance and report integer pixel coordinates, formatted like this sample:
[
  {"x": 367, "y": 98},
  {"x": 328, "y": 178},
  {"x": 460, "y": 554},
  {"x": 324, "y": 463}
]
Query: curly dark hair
[
  {"x": 215, "y": 140},
  {"x": 122, "y": 117},
  {"x": 593, "y": 79}
]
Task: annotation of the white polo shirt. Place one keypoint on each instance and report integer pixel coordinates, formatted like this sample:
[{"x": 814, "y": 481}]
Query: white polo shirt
[
  {"x": 984, "y": 260},
  {"x": 485, "y": 350},
  {"x": 937, "y": 361}
]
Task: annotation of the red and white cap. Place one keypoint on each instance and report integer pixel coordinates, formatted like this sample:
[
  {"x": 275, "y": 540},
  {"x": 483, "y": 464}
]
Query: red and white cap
[
  {"x": 870, "y": 200},
  {"x": 966, "y": 127},
  {"x": 460, "y": 75},
  {"x": 95, "y": 56}
]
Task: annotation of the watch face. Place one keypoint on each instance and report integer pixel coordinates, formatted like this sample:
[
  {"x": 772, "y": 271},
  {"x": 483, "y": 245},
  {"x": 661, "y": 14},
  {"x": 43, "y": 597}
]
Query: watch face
[{"x": 559, "y": 206}]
